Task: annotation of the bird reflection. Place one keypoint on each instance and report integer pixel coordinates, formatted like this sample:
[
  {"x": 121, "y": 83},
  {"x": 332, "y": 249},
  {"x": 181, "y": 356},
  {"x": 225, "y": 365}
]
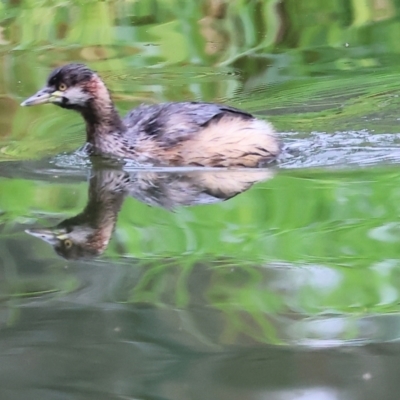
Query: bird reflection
[{"x": 88, "y": 233}]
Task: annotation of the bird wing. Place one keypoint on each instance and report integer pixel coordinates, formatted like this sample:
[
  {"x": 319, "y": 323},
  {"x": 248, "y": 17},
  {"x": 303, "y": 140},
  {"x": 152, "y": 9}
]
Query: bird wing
[{"x": 170, "y": 123}]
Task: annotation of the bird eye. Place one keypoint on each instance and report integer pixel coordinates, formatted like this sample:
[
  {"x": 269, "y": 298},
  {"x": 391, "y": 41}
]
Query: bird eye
[
  {"x": 68, "y": 243},
  {"x": 62, "y": 86}
]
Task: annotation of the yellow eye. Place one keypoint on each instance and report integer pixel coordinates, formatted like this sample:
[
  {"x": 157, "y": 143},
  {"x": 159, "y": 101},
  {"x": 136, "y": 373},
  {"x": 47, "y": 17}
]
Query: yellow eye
[
  {"x": 62, "y": 87},
  {"x": 68, "y": 243}
]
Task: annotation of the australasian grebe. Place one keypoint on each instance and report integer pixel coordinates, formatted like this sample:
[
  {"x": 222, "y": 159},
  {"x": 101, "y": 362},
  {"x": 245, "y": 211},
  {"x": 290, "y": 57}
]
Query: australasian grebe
[{"x": 172, "y": 134}]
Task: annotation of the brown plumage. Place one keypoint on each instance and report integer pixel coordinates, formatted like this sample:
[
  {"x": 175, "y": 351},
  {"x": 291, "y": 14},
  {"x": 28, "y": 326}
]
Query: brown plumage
[
  {"x": 177, "y": 134},
  {"x": 88, "y": 233}
]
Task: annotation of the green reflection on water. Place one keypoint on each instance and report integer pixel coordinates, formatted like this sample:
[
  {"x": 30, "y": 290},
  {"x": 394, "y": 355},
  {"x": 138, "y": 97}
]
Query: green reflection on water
[
  {"x": 307, "y": 258},
  {"x": 301, "y": 245}
]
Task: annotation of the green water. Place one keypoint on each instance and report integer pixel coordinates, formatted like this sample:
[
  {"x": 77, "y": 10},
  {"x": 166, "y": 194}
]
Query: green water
[{"x": 289, "y": 290}]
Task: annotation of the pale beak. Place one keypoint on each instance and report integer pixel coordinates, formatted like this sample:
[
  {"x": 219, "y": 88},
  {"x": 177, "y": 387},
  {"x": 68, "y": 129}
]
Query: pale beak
[
  {"x": 43, "y": 96},
  {"x": 48, "y": 235}
]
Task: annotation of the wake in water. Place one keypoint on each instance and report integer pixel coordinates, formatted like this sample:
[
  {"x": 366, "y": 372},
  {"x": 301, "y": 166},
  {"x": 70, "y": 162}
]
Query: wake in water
[
  {"x": 315, "y": 150},
  {"x": 339, "y": 149}
]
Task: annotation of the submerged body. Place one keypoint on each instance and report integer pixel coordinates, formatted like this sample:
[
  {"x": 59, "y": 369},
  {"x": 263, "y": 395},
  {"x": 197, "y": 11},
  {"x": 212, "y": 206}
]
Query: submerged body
[{"x": 173, "y": 134}]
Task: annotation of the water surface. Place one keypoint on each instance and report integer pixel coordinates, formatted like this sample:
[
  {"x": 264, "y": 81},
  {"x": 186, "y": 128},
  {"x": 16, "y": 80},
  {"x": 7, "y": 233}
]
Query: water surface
[{"x": 285, "y": 286}]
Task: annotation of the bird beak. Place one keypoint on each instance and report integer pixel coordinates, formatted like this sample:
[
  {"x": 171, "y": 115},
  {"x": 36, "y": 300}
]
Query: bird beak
[
  {"x": 43, "y": 96},
  {"x": 51, "y": 236}
]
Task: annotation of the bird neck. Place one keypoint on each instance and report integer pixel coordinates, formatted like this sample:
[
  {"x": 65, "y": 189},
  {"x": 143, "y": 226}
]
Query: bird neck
[
  {"x": 105, "y": 198},
  {"x": 101, "y": 211},
  {"x": 100, "y": 115}
]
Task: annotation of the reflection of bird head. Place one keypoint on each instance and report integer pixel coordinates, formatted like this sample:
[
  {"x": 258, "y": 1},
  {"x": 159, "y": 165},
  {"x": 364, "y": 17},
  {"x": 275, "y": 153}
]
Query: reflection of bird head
[{"x": 72, "y": 241}]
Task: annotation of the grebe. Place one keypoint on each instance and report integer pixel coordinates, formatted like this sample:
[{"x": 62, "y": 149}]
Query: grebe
[{"x": 169, "y": 134}]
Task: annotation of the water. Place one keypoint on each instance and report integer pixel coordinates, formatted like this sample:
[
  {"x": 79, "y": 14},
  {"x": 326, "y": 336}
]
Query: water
[{"x": 280, "y": 283}]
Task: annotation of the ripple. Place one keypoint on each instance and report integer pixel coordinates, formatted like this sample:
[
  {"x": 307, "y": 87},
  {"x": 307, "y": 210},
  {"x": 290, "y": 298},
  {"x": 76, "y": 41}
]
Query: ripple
[{"x": 340, "y": 149}]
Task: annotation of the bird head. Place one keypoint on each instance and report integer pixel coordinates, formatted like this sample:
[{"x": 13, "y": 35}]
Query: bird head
[
  {"x": 70, "y": 242},
  {"x": 72, "y": 86}
]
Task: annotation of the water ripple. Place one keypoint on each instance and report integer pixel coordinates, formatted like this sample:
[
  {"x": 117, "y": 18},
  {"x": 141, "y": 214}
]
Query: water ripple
[{"x": 340, "y": 149}]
